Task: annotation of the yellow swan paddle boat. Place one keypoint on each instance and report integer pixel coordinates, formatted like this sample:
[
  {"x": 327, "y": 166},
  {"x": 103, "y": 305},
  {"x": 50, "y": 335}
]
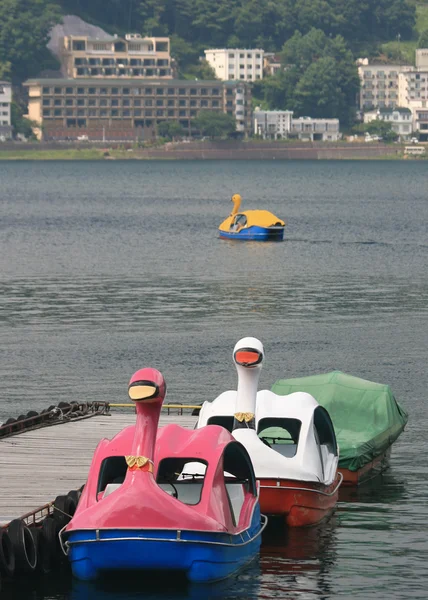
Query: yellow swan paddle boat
[{"x": 256, "y": 225}]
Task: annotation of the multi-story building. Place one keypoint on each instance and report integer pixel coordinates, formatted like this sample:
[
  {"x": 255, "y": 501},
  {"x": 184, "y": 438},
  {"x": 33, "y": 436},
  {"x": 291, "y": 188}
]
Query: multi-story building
[
  {"x": 130, "y": 108},
  {"x": 413, "y": 89},
  {"x": 272, "y": 124},
  {"x": 379, "y": 85},
  {"x": 131, "y": 56},
  {"x": 421, "y": 59},
  {"x": 400, "y": 119},
  {"x": 279, "y": 124},
  {"x": 5, "y": 117},
  {"x": 236, "y": 64},
  {"x": 316, "y": 130}
]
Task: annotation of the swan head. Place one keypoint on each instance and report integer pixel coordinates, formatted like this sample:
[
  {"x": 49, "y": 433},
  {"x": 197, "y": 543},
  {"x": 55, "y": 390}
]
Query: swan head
[
  {"x": 147, "y": 386},
  {"x": 236, "y": 199},
  {"x": 248, "y": 353}
]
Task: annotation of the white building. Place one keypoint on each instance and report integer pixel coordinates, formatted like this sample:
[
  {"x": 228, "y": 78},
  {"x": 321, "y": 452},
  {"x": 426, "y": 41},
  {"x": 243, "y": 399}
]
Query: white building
[
  {"x": 5, "y": 117},
  {"x": 421, "y": 58},
  {"x": 380, "y": 84},
  {"x": 272, "y": 124},
  {"x": 316, "y": 130},
  {"x": 279, "y": 124},
  {"x": 400, "y": 119},
  {"x": 236, "y": 64}
]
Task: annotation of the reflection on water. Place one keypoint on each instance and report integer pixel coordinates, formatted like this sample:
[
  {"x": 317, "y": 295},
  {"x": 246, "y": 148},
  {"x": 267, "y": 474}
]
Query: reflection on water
[
  {"x": 121, "y": 267},
  {"x": 295, "y": 563}
]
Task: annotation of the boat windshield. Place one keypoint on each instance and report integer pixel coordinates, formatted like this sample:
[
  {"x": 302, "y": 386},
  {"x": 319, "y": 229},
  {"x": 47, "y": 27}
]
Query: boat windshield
[{"x": 281, "y": 434}]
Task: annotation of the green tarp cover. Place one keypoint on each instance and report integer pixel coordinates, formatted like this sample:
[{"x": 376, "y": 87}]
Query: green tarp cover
[{"x": 366, "y": 417}]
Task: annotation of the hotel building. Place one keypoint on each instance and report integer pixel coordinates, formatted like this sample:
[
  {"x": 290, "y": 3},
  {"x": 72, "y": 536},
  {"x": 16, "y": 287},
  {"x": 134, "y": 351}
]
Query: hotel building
[
  {"x": 130, "y": 109},
  {"x": 236, "y": 64},
  {"x": 113, "y": 56}
]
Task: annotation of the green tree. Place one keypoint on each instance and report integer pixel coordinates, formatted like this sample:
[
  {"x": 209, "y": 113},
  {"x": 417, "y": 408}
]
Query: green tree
[
  {"x": 24, "y": 27},
  {"x": 215, "y": 124},
  {"x": 170, "y": 129},
  {"x": 423, "y": 39}
]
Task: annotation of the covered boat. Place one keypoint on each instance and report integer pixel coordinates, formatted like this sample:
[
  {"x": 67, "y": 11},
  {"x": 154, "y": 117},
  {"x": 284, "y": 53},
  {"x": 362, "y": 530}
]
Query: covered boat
[
  {"x": 256, "y": 225},
  {"x": 290, "y": 440},
  {"x": 366, "y": 417},
  {"x": 140, "y": 511}
]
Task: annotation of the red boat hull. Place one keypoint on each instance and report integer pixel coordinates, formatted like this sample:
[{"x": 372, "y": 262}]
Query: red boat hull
[
  {"x": 300, "y": 503},
  {"x": 370, "y": 470}
]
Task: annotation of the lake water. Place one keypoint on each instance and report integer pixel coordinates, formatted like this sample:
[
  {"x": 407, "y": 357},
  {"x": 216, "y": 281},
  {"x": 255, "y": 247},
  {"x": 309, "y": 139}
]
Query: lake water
[{"x": 107, "y": 267}]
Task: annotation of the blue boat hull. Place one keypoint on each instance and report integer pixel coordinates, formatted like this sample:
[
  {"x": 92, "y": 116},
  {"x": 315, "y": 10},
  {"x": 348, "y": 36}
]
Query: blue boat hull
[
  {"x": 202, "y": 557},
  {"x": 255, "y": 233}
]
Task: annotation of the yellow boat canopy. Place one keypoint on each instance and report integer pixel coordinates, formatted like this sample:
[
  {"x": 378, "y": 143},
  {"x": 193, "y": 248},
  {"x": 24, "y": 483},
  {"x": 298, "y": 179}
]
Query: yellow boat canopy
[{"x": 260, "y": 218}]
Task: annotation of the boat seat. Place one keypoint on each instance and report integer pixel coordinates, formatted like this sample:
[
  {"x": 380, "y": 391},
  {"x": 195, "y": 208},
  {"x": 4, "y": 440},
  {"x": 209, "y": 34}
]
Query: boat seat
[
  {"x": 188, "y": 492},
  {"x": 111, "y": 487}
]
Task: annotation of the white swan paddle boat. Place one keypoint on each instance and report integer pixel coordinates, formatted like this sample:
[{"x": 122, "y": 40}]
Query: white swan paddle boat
[{"x": 290, "y": 440}]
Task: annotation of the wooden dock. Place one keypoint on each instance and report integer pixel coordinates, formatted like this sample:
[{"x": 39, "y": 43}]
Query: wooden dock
[{"x": 40, "y": 464}]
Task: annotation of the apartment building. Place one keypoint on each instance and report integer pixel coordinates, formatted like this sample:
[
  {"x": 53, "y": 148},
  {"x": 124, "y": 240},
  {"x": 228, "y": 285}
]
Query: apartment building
[
  {"x": 121, "y": 109},
  {"x": 5, "y": 116},
  {"x": 272, "y": 124},
  {"x": 380, "y": 85},
  {"x": 308, "y": 129},
  {"x": 413, "y": 89},
  {"x": 279, "y": 124},
  {"x": 115, "y": 57},
  {"x": 234, "y": 64}
]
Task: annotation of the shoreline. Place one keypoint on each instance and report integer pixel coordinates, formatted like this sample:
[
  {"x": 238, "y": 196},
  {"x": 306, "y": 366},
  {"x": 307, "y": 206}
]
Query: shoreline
[{"x": 212, "y": 150}]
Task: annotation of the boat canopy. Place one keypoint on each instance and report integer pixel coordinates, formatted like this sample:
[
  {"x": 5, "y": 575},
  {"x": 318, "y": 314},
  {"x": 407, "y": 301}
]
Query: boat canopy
[
  {"x": 260, "y": 218},
  {"x": 366, "y": 417}
]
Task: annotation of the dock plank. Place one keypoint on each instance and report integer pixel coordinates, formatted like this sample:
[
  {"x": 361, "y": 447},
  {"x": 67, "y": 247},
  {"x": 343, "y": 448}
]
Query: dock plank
[{"x": 38, "y": 465}]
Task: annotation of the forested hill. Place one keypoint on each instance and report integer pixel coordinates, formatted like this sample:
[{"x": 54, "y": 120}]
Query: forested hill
[{"x": 198, "y": 24}]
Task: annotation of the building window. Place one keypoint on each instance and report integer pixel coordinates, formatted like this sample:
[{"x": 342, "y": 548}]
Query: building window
[
  {"x": 69, "y": 102},
  {"x": 159, "y": 91},
  {"x": 80, "y": 90},
  {"x": 115, "y": 91},
  {"x": 149, "y": 113},
  {"x": 57, "y": 112},
  {"x": 159, "y": 102},
  {"x": 137, "y": 102},
  {"x": 204, "y": 103},
  {"x": 193, "y": 91},
  {"x": 193, "y": 103},
  {"x": 58, "y": 90},
  {"x": 159, "y": 113},
  {"x": 125, "y": 91},
  {"x": 215, "y": 103},
  {"x": 181, "y": 113},
  {"x": 148, "y": 102},
  {"x": 114, "y": 112},
  {"x": 215, "y": 92},
  {"x": 231, "y": 55},
  {"x": 126, "y": 102},
  {"x": 79, "y": 45},
  {"x": 149, "y": 91},
  {"x": 126, "y": 112},
  {"x": 81, "y": 112},
  {"x": 103, "y": 112},
  {"x": 81, "y": 102},
  {"x": 171, "y": 102},
  {"x": 58, "y": 102},
  {"x": 204, "y": 92},
  {"x": 103, "y": 102},
  {"x": 92, "y": 91},
  {"x": 46, "y": 90},
  {"x": 115, "y": 102},
  {"x": 193, "y": 113},
  {"x": 170, "y": 113},
  {"x": 92, "y": 102},
  {"x": 103, "y": 91},
  {"x": 46, "y": 102},
  {"x": 137, "y": 112},
  {"x": 171, "y": 91}
]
